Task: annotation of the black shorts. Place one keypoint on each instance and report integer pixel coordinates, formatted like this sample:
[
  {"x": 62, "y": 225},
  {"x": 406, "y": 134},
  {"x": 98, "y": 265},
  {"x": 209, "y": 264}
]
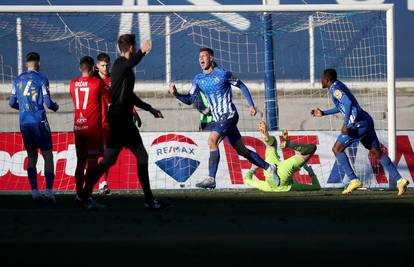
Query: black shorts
[{"x": 123, "y": 133}]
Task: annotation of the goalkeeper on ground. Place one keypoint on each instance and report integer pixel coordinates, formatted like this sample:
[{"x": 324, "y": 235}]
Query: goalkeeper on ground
[{"x": 285, "y": 168}]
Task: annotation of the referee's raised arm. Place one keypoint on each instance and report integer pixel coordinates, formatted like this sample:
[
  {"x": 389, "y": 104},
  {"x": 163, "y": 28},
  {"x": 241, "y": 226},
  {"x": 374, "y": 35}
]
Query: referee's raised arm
[{"x": 124, "y": 133}]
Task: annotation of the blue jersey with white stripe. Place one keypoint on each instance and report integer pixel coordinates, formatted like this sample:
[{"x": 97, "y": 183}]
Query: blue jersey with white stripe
[
  {"x": 346, "y": 103},
  {"x": 29, "y": 88},
  {"x": 216, "y": 86}
]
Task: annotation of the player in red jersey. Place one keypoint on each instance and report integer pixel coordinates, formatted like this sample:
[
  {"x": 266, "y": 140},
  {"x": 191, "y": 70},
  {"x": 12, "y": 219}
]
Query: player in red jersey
[
  {"x": 102, "y": 72},
  {"x": 87, "y": 93}
]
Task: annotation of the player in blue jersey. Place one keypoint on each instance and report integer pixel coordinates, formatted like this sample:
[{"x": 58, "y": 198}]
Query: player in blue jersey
[
  {"x": 358, "y": 126},
  {"x": 29, "y": 93},
  {"x": 215, "y": 83}
]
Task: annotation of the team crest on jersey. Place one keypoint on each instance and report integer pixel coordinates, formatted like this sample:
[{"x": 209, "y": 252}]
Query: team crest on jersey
[
  {"x": 176, "y": 156},
  {"x": 337, "y": 94},
  {"x": 217, "y": 80}
]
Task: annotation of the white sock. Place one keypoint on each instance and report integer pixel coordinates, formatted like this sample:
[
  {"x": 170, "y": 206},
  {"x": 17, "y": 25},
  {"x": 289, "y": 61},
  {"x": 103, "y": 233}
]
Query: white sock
[{"x": 102, "y": 184}]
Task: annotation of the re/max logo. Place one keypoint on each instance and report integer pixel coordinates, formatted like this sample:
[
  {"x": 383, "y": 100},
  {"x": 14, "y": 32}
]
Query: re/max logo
[{"x": 175, "y": 149}]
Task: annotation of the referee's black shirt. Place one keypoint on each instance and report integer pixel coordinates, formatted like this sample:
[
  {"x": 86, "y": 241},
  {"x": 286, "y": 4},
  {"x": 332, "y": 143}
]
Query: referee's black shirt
[{"x": 122, "y": 88}]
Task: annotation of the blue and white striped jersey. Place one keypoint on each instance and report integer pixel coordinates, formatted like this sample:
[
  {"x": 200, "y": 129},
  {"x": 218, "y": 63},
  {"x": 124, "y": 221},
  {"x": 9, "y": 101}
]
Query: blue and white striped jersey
[{"x": 216, "y": 86}]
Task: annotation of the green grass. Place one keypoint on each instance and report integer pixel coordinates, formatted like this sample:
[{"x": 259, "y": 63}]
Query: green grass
[{"x": 236, "y": 227}]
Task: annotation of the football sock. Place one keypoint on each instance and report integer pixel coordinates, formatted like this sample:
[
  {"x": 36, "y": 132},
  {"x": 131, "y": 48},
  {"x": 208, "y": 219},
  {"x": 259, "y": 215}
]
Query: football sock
[
  {"x": 343, "y": 162},
  {"x": 255, "y": 159},
  {"x": 390, "y": 167},
  {"x": 213, "y": 163},
  {"x": 32, "y": 175},
  {"x": 50, "y": 177}
]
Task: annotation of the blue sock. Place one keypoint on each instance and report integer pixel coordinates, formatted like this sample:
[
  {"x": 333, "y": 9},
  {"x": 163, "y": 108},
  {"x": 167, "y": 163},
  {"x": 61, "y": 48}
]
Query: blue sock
[
  {"x": 390, "y": 167},
  {"x": 255, "y": 159},
  {"x": 32, "y": 175},
  {"x": 213, "y": 163},
  {"x": 50, "y": 177},
  {"x": 343, "y": 163}
]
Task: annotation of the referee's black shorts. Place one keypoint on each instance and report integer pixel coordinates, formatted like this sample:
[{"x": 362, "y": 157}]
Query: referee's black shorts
[{"x": 123, "y": 132}]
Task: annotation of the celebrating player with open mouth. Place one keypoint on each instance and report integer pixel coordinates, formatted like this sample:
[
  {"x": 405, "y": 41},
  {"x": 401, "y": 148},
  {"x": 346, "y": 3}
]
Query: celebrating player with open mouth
[
  {"x": 358, "y": 126},
  {"x": 216, "y": 84}
]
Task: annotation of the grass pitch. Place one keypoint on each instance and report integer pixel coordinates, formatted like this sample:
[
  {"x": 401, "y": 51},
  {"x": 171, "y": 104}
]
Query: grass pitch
[{"x": 210, "y": 227}]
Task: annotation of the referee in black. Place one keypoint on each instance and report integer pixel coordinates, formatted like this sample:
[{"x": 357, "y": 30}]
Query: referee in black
[{"x": 123, "y": 131}]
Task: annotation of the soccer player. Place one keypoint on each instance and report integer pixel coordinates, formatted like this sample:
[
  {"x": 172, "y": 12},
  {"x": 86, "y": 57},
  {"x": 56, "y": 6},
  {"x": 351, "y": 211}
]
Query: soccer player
[
  {"x": 123, "y": 131},
  {"x": 87, "y": 93},
  {"x": 285, "y": 168},
  {"x": 103, "y": 62},
  {"x": 357, "y": 126},
  {"x": 102, "y": 72},
  {"x": 215, "y": 83},
  {"x": 29, "y": 93}
]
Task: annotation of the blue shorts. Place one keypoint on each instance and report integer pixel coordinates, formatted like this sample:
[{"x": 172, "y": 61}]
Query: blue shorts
[
  {"x": 227, "y": 127},
  {"x": 363, "y": 132},
  {"x": 36, "y": 135}
]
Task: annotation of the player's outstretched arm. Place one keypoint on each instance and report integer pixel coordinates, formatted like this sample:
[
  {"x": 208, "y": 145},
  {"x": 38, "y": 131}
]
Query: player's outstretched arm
[
  {"x": 139, "y": 55},
  {"x": 184, "y": 98},
  {"x": 317, "y": 112},
  {"x": 145, "y": 106}
]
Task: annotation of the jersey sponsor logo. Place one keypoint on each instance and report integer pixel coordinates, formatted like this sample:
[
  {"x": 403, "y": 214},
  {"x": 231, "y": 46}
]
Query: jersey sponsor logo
[
  {"x": 81, "y": 123},
  {"x": 81, "y": 119},
  {"x": 337, "y": 94},
  {"x": 176, "y": 156}
]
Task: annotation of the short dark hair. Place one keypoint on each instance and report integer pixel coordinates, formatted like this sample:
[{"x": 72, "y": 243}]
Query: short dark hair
[
  {"x": 330, "y": 74},
  {"x": 206, "y": 49},
  {"x": 32, "y": 56},
  {"x": 86, "y": 63},
  {"x": 125, "y": 41},
  {"x": 103, "y": 57}
]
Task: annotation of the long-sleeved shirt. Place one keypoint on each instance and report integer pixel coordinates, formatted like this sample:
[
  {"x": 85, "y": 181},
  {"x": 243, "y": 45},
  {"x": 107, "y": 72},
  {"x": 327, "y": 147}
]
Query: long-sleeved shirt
[
  {"x": 122, "y": 86},
  {"x": 346, "y": 103},
  {"x": 29, "y": 93},
  {"x": 216, "y": 86}
]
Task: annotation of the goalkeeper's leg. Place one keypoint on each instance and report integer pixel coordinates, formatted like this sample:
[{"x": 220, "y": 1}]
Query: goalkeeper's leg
[
  {"x": 306, "y": 150},
  {"x": 307, "y": 187},
  {"x": 293, "y": 164}
]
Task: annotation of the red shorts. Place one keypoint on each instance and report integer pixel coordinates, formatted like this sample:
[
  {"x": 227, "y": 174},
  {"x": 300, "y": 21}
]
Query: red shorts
[{"x": 89, "y": 144}]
